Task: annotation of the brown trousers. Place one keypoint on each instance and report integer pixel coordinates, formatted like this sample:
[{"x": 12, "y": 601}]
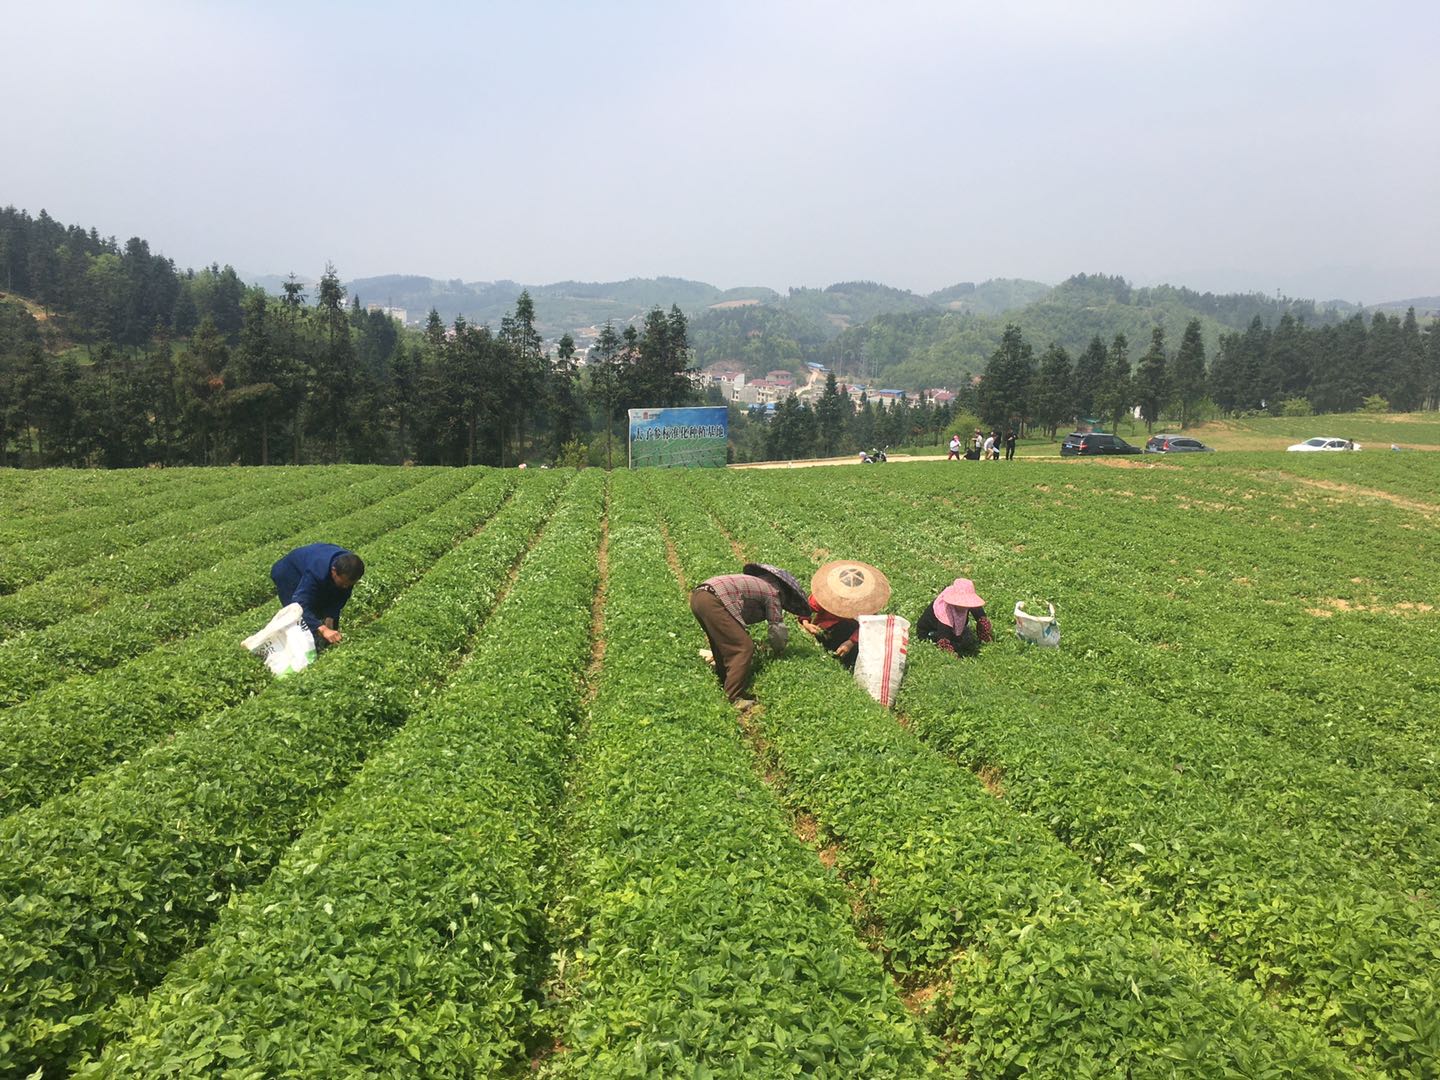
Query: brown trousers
[{"x": 730, "y": 643}]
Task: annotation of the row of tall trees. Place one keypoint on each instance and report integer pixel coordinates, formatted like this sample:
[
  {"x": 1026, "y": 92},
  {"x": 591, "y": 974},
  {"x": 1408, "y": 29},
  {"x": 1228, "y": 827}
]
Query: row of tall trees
[
  {"x": 1332, "y": 368},
  {"x": 320, "y": 380}
]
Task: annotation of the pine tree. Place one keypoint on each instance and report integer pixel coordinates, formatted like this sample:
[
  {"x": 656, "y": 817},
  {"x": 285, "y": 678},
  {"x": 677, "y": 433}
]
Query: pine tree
[
  {"x": 522, "y": 381},
  {"x": 1005, "y": 389},
  {"x": 1117, "y": 393},
  {"x": 1430, "y": 381},
  {"x": 604, "y": 371},
  {"x": 563, "y": 394},
  {"x": 1152, "y": 381},
  {"x": 1090, "y": 378},
  {"x": 1188, "y": 373},
  {"x": 830, "y": 418},
  {"x": 1053, "y": 394}
]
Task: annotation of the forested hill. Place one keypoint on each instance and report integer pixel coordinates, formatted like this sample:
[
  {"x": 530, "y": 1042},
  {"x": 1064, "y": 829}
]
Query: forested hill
[
  {"x": 866, "y": 331},
  {"x": 942, "y": 339}
]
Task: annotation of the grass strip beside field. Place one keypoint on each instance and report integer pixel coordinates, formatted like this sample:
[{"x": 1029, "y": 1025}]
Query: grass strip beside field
[
  {"x": 404, "y": 930},
  {"x": 697, "y": 936},
  {"x": 81, "y": 726},
  {"x": 105, "y": 886}
]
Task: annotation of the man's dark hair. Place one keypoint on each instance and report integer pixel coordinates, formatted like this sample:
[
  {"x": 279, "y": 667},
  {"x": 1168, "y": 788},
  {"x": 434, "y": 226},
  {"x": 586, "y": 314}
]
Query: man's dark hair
[{"x": 350, "y": 567}]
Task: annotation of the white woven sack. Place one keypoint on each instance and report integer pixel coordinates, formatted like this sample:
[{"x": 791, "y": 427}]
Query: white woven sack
[
  {"x": 284, "y": 643},
  {"x": 880, "y": 664},
  {"x": 1043, "y": 630}
]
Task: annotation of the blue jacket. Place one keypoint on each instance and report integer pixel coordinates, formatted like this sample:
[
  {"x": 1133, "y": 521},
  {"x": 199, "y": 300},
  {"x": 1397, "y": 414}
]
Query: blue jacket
[{"x": 303, "y": 577}]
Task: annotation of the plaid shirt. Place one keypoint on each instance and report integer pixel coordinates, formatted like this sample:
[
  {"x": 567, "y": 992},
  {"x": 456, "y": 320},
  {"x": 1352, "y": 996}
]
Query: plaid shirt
[{"x": 751, "y": 600}]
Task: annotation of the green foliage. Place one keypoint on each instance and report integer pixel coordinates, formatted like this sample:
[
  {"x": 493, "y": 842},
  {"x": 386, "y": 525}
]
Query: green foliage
[
  {"x": 1375, "y": 403},
  {"x": 406, "y": 925},
  {"x": 1297, "y": 406},
  {"x": 1197, "y": 839},
  {"x": 76, "y": 727},
  {"x": 109, "y": 854},
  {"x": 699, "y": 937},
  {"x": 574, "y": 455}
]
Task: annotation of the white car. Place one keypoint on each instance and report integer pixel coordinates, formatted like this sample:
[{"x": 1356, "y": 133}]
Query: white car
[{"x": 1323, "y": 443}]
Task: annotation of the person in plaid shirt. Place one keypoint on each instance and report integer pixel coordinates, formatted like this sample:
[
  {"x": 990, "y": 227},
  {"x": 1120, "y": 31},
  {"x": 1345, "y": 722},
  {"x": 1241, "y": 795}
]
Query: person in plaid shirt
[{"x": 728, "y": 603}]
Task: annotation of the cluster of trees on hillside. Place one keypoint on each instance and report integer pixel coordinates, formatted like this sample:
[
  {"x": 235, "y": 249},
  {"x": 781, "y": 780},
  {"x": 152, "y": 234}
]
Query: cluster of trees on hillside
[
  {"x": 1290, "y": 369},
  {"x": 109, "y": 292},
  {"x": 323, "y": 381}
]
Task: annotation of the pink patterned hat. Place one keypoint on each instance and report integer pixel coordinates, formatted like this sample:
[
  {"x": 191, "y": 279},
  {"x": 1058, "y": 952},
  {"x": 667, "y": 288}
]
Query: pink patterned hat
[{"x": 952, "y": 605}]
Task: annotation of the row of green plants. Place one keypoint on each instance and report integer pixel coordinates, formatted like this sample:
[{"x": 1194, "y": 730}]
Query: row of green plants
[
  {"x": 1024, "y": 960},
  {"x": 231, "y": 573},
  {"x": 695, "y": 934},
  {"x": 1234, "y": 615},
  {"x": 45, "y": 495},
  {"x": 108, "y": 884},
  {"x": 79, "y": 571},
  {"x": 112, "y": 513},
  {"x": 1249, "y": 664},
  {"x": 68, "y": 732},
  {"x": 403, "y": 932},
  {"x": 193, "y": 540},
  {"x": 1329, "y": 914}
]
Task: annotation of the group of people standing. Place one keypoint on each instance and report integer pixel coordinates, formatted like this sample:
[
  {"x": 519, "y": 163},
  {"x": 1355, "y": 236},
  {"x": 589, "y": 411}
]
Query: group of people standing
[
  {"x": 983, "y": 447},
  {"x": 840, "y": 593}
]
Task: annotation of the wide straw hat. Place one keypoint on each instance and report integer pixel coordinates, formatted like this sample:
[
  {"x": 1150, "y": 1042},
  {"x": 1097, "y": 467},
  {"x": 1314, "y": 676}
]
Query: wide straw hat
[
  {"x": 849, "y": 589},
  {"x": 961, "y": 593},
  {"x": 792, "y": 596}
]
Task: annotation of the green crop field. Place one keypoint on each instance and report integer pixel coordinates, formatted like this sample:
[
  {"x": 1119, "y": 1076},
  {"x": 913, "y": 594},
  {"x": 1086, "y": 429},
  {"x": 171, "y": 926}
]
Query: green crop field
[{"x": 511, "y": 827}]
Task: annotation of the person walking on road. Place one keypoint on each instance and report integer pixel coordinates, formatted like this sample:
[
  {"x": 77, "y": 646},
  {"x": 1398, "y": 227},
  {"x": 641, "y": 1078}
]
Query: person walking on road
[
  {"x": 954, "y": 448},
  {"x": 726, "y": 604},
  {"x": 320, "y": 578},
  {"x": 1010, "y": 445}
]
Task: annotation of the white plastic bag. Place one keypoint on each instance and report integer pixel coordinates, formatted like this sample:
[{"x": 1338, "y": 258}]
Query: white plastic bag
[
  {"x": 880, "y": 664},
  {"x": 284, "y": 644},
  {"x": 1041, "y": 630}
]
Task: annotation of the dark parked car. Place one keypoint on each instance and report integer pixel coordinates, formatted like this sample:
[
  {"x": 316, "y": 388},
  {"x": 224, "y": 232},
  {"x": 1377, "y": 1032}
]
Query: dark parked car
[
  {"x": 1088, "y": 443},
  {"x": 1176, "y": 444}
]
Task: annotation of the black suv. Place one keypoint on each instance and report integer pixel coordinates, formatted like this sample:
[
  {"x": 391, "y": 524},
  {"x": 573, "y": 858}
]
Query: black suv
[
  {"x": 1088, "y": 443},
  {"x": 1176, "y": 444}
]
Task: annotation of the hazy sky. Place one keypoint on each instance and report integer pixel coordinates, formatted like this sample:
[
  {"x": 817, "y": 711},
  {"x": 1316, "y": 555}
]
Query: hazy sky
[{"x": 1220, "y": 145}]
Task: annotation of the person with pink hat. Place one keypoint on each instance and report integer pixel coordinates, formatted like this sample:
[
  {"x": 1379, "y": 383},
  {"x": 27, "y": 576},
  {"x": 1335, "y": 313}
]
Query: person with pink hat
[{"x": 956, "y": 619}]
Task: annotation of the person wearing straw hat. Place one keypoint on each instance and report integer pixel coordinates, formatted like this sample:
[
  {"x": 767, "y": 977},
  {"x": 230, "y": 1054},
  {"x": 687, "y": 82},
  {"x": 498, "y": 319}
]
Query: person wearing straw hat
[
  {"x": 840, "y": 592},
  {"x": 956, "y": 619},
  {"x": 726, "y": 604}
]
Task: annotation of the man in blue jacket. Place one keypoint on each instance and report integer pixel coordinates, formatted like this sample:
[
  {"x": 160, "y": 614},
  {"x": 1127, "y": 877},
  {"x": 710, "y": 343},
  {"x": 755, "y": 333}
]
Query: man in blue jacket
[{"x": 318, "y": 577}]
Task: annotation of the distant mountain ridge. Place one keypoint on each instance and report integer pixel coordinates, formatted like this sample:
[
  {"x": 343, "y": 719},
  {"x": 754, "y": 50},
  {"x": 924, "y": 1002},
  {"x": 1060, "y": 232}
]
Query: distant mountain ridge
[
  {"x": 571, "y": 305},
  {"x": 866, "y": 330}
]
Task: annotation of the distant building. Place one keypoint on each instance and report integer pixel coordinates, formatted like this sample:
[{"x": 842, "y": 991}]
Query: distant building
[{"x": 398, "y": 313}]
